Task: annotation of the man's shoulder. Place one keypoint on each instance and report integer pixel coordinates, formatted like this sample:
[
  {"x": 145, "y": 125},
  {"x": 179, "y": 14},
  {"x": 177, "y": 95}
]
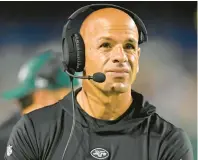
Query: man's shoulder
[
  {"x": 159, "y": 122},
  {"x": 174, "y": 141},
  {"x": 163, "y": 128},
  {"x": 46, "y": 113},
  {"x": 157, "y": 126},
  {"x": 156, "y": 123}
]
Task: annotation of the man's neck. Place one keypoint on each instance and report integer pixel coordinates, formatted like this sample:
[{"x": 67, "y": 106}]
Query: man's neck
[{"x": 102, "y": 106}]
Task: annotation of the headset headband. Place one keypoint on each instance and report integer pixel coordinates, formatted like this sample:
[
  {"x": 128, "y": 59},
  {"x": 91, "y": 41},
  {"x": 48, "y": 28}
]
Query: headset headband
[{"x": 76, "y": 19}]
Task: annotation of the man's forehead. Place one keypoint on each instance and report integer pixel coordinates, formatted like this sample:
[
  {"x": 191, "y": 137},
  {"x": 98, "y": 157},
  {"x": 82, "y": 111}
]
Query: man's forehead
[
  {"x": 111, "y": 28},
  {"x": 121, "y": 32},
  {"x": 102, "y": 23},
  {"x": 129, "y": 26}
]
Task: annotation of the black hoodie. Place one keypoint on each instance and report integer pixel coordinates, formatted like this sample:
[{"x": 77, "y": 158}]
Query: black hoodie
[{"x": 139, "y": 134}]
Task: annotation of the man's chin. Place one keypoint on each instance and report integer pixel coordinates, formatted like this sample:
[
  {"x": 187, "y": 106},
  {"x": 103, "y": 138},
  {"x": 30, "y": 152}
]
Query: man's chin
[
  {"x": 119, "y": 88},
  {"x": 113, "y": 88}
]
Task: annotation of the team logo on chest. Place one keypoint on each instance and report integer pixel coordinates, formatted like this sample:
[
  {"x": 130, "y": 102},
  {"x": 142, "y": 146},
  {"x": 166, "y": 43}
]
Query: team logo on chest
[{"x": 99, "y": 153}]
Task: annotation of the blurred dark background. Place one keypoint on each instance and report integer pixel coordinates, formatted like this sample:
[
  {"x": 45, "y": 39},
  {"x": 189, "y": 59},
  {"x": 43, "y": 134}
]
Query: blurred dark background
[{"x": 168, "y": 63}]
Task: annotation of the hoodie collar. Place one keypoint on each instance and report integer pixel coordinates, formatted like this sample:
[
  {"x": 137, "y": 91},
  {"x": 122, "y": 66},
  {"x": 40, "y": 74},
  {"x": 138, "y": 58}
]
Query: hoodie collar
[{"x": 141, "y": 111}]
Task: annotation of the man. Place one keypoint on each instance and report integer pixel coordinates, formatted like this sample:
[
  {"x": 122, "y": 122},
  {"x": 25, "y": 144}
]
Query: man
[
  {"x": 40, "y": 86},
  {"x": 112, "y": 122}
]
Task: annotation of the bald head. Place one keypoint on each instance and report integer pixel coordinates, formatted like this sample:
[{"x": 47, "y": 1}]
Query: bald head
[{"x": 107, "y": 18}]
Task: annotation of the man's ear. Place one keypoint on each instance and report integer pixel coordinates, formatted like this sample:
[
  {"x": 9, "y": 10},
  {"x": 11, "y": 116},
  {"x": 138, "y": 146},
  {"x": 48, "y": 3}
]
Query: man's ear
[{"x": 138, "y": 52}]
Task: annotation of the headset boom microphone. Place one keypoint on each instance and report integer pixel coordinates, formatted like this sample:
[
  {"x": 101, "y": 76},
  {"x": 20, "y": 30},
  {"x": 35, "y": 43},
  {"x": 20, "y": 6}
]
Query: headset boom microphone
[{"x": 97, "y": 77}]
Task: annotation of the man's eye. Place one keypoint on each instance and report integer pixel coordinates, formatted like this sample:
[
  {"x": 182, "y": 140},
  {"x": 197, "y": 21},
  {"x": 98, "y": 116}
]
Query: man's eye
[
  {"x": 129, "y": 46},
  {"x": 105, "y": 45}
]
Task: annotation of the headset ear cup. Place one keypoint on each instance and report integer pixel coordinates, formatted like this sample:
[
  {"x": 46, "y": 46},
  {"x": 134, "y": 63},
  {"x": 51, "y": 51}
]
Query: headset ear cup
[
  {"x": 65, "y": 55},
  {"x": 80, "y": 52}
]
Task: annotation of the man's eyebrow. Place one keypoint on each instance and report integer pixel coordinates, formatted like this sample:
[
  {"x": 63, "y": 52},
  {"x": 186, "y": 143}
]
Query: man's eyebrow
[{"x": 131, "y": 40}]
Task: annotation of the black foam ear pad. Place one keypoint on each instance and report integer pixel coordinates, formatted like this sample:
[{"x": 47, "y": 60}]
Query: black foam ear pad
[
  {"x": 65, "y": 54},
  {"x": 69, "y": 58},
  {"x": 80, "y": 52}
]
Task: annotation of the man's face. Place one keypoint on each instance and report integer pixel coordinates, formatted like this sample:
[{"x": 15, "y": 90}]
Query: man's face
[{"x": 112, "y": 48}]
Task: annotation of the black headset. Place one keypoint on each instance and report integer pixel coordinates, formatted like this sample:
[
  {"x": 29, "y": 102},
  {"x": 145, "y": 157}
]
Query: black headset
[{"x": 72, "y": 43}]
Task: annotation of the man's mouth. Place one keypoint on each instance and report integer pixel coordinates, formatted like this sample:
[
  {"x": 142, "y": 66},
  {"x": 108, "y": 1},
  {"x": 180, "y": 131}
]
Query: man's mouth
[{"x": 119, "y": 70}]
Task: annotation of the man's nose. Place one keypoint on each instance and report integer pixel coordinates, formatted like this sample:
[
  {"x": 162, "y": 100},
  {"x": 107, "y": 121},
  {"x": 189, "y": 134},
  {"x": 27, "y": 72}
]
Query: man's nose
[{"x": 119, "y": 55}]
